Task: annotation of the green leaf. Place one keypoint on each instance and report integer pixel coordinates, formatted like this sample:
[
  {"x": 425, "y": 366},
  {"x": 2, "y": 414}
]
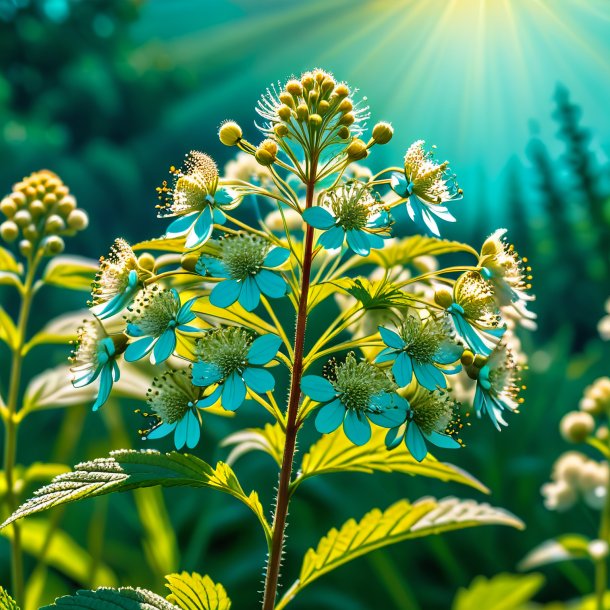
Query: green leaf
[
  {"x": 128, "y": 469},
  {"x": 6, "y": 601},
  {"x": 8, "y": 331},
  {"x": 62, "y": 329},
  {"x": 401, "y": 521},
  {"x": 113, "y": 599},
  {"x": 42, "y": 471},
  {"x": 269, "y": 439},
  {"x": 562, "y": 548},
  {"x": 335, "y": 453},
  {"x": 73, "y": 272},
  {"x": 196, "y": 592},
  {"x": 163, "y": 244},
  {"x": 379, "y": 294},
  {"x": 9, "y": 278},
  {"x": 62, "y": 553},
  {"x": 8, "y": 262},
  {"x": 502, "y": 592}
]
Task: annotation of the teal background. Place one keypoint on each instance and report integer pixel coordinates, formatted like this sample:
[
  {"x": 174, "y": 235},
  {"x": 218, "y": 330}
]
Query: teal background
[{"x": 110, "y": 93}]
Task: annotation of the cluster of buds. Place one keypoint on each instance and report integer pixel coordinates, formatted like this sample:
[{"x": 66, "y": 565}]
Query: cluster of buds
[
  {"x": 596, "y": 398},
  {"x": 575, "y": 476},
  {"x": 577, "y": 426},
  {"x": 39, "y": 212}
]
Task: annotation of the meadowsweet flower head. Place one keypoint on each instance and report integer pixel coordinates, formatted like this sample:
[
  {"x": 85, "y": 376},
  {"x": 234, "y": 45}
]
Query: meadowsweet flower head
[
  {"x": 155, "y": 317},
  {"x": 427, "y": 186},
  {"x": 195, "y": 199},
  {"x": 423, "y": 348},
  {"x": 230, "y": 359},
  {"x": 351, "y": 212},
  {"x": 117, "y": 281},
  {"x": 245, "y": 263},
  {"x": 174, "y": 403},
  {"x": 94, "y": 355}
]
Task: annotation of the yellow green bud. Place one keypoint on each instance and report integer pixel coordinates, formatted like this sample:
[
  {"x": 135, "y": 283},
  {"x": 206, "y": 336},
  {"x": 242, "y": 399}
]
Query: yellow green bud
[
  {"x": 467, "y": 357},
  {"x": 31, "y": 232},
  {"x": 344, "y": 132},
  {"x": 302, "y": 112},
  {"x": 78, "y": 220},
  {"x": 323, "y": 107},
  {"x": 230, "y": 133},
  {"x": 341, "y": 90},
  {"x": 576, "y": 426},
  {"x": 347, "y": 119},
  {"x": 53, "y": 245},
  {"x": 189, "y": 261},
  {"x": 9, "y": 231},
  {"x": 18, "y": 197},
  {"x": 147, "y": 261},
  {"x": 382, "y": 133},
  {"x": 356, "y": 150},
  {"x": 345, "y": 106},
  {"x": 36, "y": 208},
  {"x": 8, "y": 207},
  {"x": 287, "y": 99},
  {"x": 25, "y": 247},
  {"x": 49, "y": 200},
  {"x": 264, "y": 157},
  {"x": 307, "y": 81},
  {"x": 280, "y": 130},
  {"x": 315, "y": 120},
  {"x": 66, "y": 205},
  {"x": 443, "y": 298},
  {"x": 294, "y": 87},
  {"x": 328, "y": 84},
  {"x": 284, "y": 112},
  {"x": 22, "y": 217}
]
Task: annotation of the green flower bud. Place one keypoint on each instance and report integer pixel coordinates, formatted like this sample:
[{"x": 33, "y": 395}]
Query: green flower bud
[
  {"x": 576, "y": 426},
  {"x": 264, "y": 157},
  {"x": 284, "y": 112},
  {"x": 53, "y": 245},
  {"x": 78, "y": 220},
  {"x": 8, "y": 207},
  {"x": 23, "y": 218},
  {"x": 280, "y": 130},
  {"x": 307, "y": 81},
  {"x": 230, "y": 133},
  {"x": 147, "y": 261},
  {"x": 345, "y": 106},
  {"x": 9, "y": 231},
  {"x": 382, "y": 133},
  {"x": 19, "y": 198},
  {"x": 66, "y": 205},
  {"x": 342, "y": 90},
  {"x": 287, "y": 99},
  {"x": 49, "y": 200},
  {"x": 344, "y": 132},
  {"x": 323, "y": 107},
  {"x": 31, "y": 232},
  {"x": 189, "y": 261},
  {"x": 25, "y": 247},
  {"x": 294, "y": 87},
  {"x": 356, "y": 150},
  {"x": 443, "y": 298},
  {"x": 36, "y": 208},
  {"x": 54, "y": 224},
  {"x": 328, "y": 84},
  {"x": 315, "y": 120},
  {"x": 302, "y": 112},
  {"x": 313, "y": 96},
  {"x": 347, "y": 119}
]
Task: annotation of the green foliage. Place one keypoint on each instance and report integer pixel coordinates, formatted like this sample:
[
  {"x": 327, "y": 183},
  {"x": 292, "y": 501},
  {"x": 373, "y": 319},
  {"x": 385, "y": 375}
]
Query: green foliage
[
  {"x": 6, "y": 601},
  {"x": 196, "y": 592},
  {"x": 72, "y": 272},
  {"x": 113, "y": 599},
  {"x": 566, "y": 547}
]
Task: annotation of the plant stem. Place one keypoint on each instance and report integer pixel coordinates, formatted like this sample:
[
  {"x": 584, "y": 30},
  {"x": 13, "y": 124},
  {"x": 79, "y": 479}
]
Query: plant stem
[
  {"x": 283, "y": 492},
  {"x": 10, "y": 431},
  {"x": 601, "y": 564}
]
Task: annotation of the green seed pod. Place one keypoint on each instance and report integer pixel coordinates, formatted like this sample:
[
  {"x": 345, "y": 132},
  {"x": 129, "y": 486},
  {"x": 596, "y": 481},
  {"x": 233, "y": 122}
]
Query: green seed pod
[
  {"x": 8, "y": 207},
  {"x": 23, "y": 218},
  {"x": 230, "y": 133},
  {"x": 9, "y": 231},
  {"x": 78, "y": 220},
  {"x": 53, "y": 245},
  {"x": 382, "y": 133}
]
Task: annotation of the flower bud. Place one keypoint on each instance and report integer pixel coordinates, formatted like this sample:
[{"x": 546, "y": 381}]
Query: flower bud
[
  {"x": 345, "y": 106},
  {"x": 147, "y": 261},
  {"x": 49, "y": 200},
  {"x": 19, "y": 198},
  {"x": 30, "y": 232},
  {"x": 443, "y": 298},
  {"x": 341, "y": 90},
  {"x": 230, "y": 133},
  {"x": 480, "y": 361},
  {"x": 307, "y": 81},
  {"x": 66, "y": 205},
  {"x": 284, "y": 112},
  {"x": 23, "y": 218},
  {"x": 559, "y": 496},
  {"x": 467, "y": 357},
  {"x": 576, "y": 426},
  {"x": 302, "y": 112},
  {"x": 347, "y": 119},
  {"x": 54, "y": 224},
  {"x": 8, "y": 207},
  {"x": 315, "y": 120},
  {"x": 294, "y": 87},
  {"x": 189, "y": 261},
  {"x": 344, "y": 132},
  {"x": 356, "y": 150},
  {"x": 568, "y": 467},
  {"x": 53, "y": 245},
  {"x": 328, "y": 84},
  {"x": 382, "y": 133},
  {"x": 602, "y": 433},
  {"x": 323, "y": 107},
  {"x": 36, "y": 208},
  {"x": 25, "y": 247},
  {"x": 287, "y": 99},
  {"x": 264, "y": 157},
  {"x": 280, "y": 130},
  {"x": 491, "y": 247},
  {"x": 9, "y": 231},
  {"x": 78, "y": 220},
  {"x": 313, "y": 96}
]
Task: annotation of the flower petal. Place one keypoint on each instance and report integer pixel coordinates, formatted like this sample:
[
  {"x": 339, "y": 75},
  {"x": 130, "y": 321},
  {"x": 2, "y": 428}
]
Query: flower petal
[
  {"x": 208, "y": 265},
  {"x": 138, "y": 349},
  {"x": 386, "y": 355},
  {"x": 393, "y": 438},
  {"x": 330, "y": 417},
  {"x": 443, "y": 440},
  {"x": 250, "y": 295},
  {"x": 429, "y": 376},
  {"x": 375, "y": 241},
  {"x": 105, "y": 387},
  {"x": 164, "y": 347},
  {"x": 319, "y": 218},
  {"x": 193, "y": 429},
  {"x": 211, "y": 399},
  {"x": 448, "y": 352},
  {"x": 225, "y": 294},
  {"x": 233, "y": 393},
  {"x": 263, "y": 349},
  {"x": 388, "y": 418},
  {"x": 416, "y": 443},
  {"x": 180, "y": 433},
  {"x": 276, "y": 256},
  {"x": 185, "y": 315},
  {"x": 260, "y": 380},
  {"x": 403, "y": 369},
  {"x": 160, "y": 431},
  {"x": 358, "y": 242},
  {"x": 271, "y": 283},
  {"x": 400, "y": 185},
  {"x": 317, "y": 388},
  {"x": 357, "y": 427},
  {"x": 333, "y": 238},
  {"x": 222, "y": 197},
  {"x": 390, "y": 338},
  {"x": 181, "y": 225},
  {"x": 205, "y": 373},
  {"x": 202, "y": 229}
]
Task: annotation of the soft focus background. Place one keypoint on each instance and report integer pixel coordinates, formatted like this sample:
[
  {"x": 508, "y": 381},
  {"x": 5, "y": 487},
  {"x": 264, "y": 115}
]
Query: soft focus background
[{"x": 515, "y": 93}]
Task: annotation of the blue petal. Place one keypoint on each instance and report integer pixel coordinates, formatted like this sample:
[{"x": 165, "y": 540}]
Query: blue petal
[
  {"x": 181, "y": 432},
  {"x": 400, "y": 185},
  {"x": 205, "y": 373},
  {"x": 185, "y": 315},
  {"x": 138, "y": 349},
  {"x": 164, "y": 348},
  {"x": 375, "y": 241},
  {"x": 250, "y": 295},
  {"x": 388, "y": 418},
  {"x": 201, "y": 230},
  {"x": 403, "y": 369},
  {"x": 193, "y": 429},
  {"x": 448, "y": 352},
  {"x": 225, "y": 294},
  {"x": 181, "y": 225},
  {"x": 317, "y": 388},
  {"x": 276, "y": 257},
  {"x": 333, "y": 238},
  {"x": 429, "y": 376},
  {"x": 222, "y": 197},
  {"x": 89, "y": 377},
  {"x": 105, "y": 387},
  {"x": 271, "y": 283},
  {"x": 386, "y": 355},
  {"x": 390, "y": 338},
  {"x": 210, "y": 400},
  {"x": 415, "y": 442},
  {"x": 392, "y": 438},
  {"x": 357, "y": 427},
  {"x": 443, "y": 440},
  {"x": 330, "y": 417},
  {"x": 263, "y": 349},
  {"x": 358, "y": 242},
  {"x": 260, "y": 380},
  {"x": 233, "y": 392},
  {"x": 319, "y": 218},
  {"x": 219, "y": 216},
  {"x": 133, "y": 330},
  {"x": 160, "y": 431},
  {"x": 208, "y": 265}
]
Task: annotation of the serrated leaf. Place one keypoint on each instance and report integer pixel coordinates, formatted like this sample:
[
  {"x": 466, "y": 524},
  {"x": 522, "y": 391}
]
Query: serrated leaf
[
  {"x": 378, "y": 294},
  {"x": 502, "y": 592},
  {"x": 562, "y": 548},
  {"x": 401, "y": 521},
  {"x": 129, "y": 469},
  {"x": 8, "y": 262},
  {"x": 196, "y": 592},
  {"x": 335, "y": 453},
  {"x": 62, "y": 329},
  {"x": 73, "y": 272},
  {"x": 113, "y": 599},
  {"x": 8, "y": 331},
  {"x": 269, "y": 439},
  {"x": 6, "y": 601},
  {"x": 62, "y": 553}
]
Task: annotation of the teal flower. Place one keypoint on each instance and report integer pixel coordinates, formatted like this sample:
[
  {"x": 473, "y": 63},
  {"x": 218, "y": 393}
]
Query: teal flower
[
  {"x": 195, "y": 200},
  {"x": 498, "y": 386},
  {"x": 94, "y": 356},
  {"x": 426, "y": 186},
  {"x": 353, "y": 395},
  {"x": 231, "y": 360},
  {"x": 157, "y": 316},
  {"x": 423, "y": 348},
  {"x": 350, "y": 213},
  {"x": 246, "y": 263},
  {"x": 431, "y": 417},
  {"x": 474, "y": 312},
  {"x": 175, "y": 403},
  {"x": 118, "y": 280}
]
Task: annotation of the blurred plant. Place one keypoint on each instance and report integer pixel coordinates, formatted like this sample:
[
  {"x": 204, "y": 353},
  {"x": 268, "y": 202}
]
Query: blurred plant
[{"x": 206, "y": 313}]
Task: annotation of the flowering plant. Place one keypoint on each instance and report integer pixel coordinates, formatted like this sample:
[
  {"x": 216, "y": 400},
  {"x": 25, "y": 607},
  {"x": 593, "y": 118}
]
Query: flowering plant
[{"x": 382, "y": 383}]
